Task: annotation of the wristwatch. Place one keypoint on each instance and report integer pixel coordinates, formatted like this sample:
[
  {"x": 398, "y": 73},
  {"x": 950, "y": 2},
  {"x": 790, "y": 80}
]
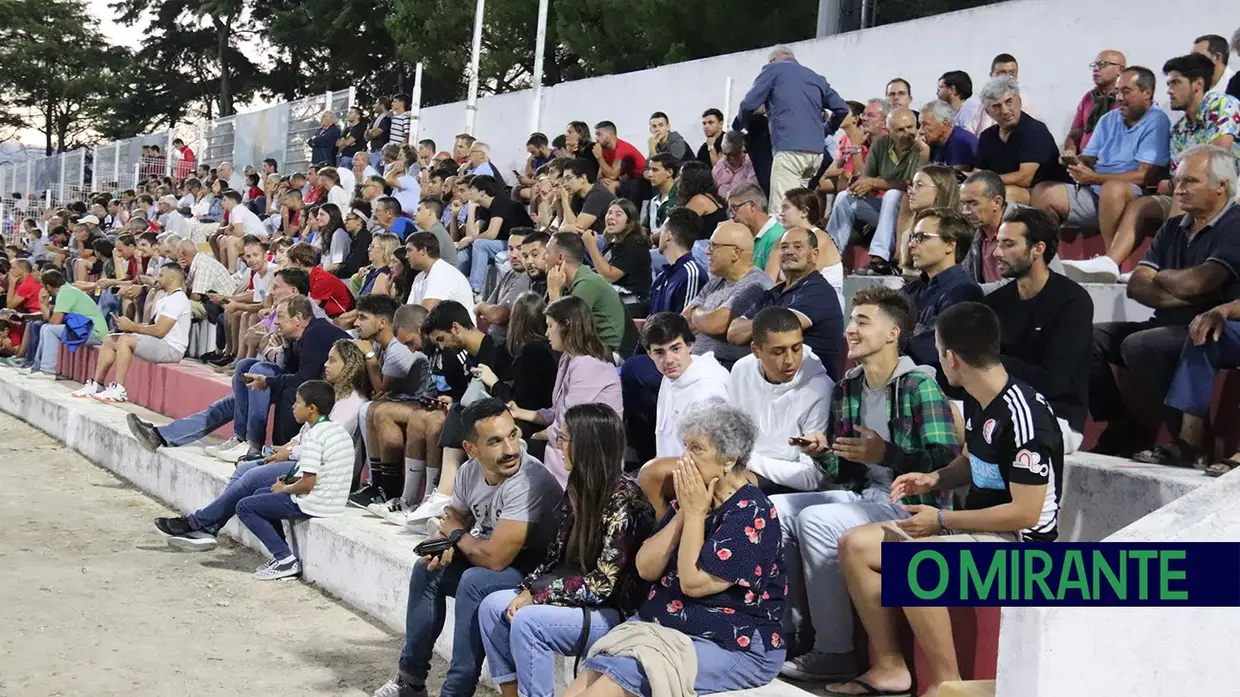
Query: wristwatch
[
  {"x": 456, "y": 536},
  {"x": 370, "y": 354}
]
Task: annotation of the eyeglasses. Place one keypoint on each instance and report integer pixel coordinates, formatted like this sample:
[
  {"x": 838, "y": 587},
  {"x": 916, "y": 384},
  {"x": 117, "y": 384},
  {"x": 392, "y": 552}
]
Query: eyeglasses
[
  {"x": 716, "y": 245},
  {"x": 1099, "y": 65},
  {"x": 735, "y": 208},
  {"x": 919, "y": 237}
]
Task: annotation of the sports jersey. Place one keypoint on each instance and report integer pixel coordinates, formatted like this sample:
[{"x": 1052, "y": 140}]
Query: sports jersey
[{"x": 1015, "y": 440}]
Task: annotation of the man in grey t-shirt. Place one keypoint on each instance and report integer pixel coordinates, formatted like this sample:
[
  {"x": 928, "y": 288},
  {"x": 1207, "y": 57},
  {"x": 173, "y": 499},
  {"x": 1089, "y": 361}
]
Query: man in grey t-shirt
[
  {"x": 498, "y": 305},
  {"x": 735, "y": 284},
  {"x": 500, "y": 519}
]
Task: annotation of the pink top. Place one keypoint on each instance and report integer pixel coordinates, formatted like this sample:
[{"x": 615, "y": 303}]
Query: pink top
[
  {"x": 578, "y": 380},
  {"x": 1083, "y": 110},
  {"x": 727, "y": 178}
]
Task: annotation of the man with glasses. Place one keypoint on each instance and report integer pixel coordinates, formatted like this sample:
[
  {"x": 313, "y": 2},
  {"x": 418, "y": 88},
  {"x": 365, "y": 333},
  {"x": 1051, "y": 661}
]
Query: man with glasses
[
  {"x": 747, "y": 206},
  {"x": 1100, "y": 99},
  {"x": 372, "y": 188},
  {"x": 735, "y": 284},
  {"x": 940, "y": 240}
]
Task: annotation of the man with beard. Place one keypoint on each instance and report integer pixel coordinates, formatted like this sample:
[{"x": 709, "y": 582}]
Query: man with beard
[
  {"x": 495, "y": 522},
  {"x": 534, "y": 258},
  {"x": 1045, "y": 320},
  {"x": 511, "y": 283}
]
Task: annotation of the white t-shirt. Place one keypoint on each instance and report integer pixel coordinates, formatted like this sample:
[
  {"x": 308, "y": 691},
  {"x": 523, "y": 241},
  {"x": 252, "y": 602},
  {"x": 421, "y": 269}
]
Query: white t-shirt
[
  {"x": 348, "y": 180},
  {"x": 442, "y": 282},
  {"x": 326, "y": 451},
  {"x": 176, "y": 224},
  {"x": 249, "y": 222},
  {"x": 176, "y": 306},
  {"x": 338, "y": 197},
  {"x": 341, "y": 243},
  {"x": 237, "y": 183},
  {"x": 262, "y": 281}
]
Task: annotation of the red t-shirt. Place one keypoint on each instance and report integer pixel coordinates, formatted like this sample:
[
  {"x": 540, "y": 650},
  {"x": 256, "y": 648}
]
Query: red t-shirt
[
  {"x": 315, "y": 194},
  {"x": 633, "y": 162},
  {"x": 28, "y": 290},
  {"x": 330, "y": 292}
]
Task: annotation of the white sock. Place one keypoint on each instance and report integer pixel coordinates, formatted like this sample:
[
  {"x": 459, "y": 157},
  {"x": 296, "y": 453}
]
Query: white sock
[
  {"x": 289, "y": 558},
  {"x": 415, "y": 476},
  {"x": 432, "y": 481}
]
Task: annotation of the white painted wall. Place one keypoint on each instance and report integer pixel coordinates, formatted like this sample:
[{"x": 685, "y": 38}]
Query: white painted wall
[{"x": 1054, "y": 40}]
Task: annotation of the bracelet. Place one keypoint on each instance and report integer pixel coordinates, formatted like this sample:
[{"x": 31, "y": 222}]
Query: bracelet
[{"x": 941, "y": 520}]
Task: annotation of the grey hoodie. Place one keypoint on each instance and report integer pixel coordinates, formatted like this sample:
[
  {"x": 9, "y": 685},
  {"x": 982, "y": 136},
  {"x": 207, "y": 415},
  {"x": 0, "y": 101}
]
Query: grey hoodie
[{"x": 874, "y": 411}]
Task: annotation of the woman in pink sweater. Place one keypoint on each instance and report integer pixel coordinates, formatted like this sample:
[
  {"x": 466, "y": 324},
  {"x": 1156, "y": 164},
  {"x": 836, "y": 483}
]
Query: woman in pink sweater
[{"x": 585, "y": 375}]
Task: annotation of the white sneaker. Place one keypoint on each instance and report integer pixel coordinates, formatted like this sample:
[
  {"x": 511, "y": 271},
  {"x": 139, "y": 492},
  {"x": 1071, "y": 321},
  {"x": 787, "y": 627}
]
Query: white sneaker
[
  {"x": 213, "y": 449},
  {"x": 90, "y": 389},
  {"x": 37, "y": 374},
  {"x": 1101, "y": 269},
  {"x": 234, "y": 453},
  {"x": 115, "y": 394},
  {"x": 432, "y": 507},
  {"x": 396, "y": 512}
]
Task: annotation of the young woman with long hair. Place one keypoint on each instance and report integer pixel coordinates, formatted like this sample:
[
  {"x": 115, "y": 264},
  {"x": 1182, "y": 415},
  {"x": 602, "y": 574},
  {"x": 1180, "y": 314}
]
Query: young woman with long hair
[
  {"x": 933, "y": 186},
  {"x": 589, "y": 567},
  {"x": 695, "y": 190},
  {"x": 333, "y": 239},
  {"x": 585, "y": 374},
  {"x": 803, "y": 209},
  {"x": 624, "y": 259}
]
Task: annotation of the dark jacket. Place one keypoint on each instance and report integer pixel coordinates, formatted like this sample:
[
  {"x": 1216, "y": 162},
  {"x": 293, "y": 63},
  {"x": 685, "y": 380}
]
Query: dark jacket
[
  {"x": 303, "y": 361},
  {"x": 323, "y": 145}
]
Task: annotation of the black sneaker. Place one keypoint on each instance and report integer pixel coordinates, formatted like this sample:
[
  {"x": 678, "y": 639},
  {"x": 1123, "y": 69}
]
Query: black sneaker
[
  {"x": 146, "y": 433},
  {"x": 209, "y": 356},
  {"x": 221, "y": 361},
  {"x": 879, "y": 267},
  {"x": 174, "y": 526},
  {"x": 367, "y": 495}
]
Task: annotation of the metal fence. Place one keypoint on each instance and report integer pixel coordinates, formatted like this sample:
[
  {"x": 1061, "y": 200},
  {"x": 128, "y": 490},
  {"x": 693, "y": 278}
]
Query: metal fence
[{"x": 278, "y": 132}]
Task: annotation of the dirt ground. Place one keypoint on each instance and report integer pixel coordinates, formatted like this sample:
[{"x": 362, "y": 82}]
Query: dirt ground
[{"x": 93, "y": 602}]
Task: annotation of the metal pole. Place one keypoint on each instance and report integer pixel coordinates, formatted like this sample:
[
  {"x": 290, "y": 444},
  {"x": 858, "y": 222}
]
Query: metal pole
[
  {"x": 828, "y": 18},
  {"x": 168, "y": 154},
  {"x": 471, "y": 103},
  {"x": 540, "y": 48},
  {"x": 61, "y": 157},
  {"x": 29, "y": 166},
  {"x": 94, "y": 169},
  {"x": 82, "y": 171},
  {"x": 415, "y": 124},
  {"x": 727, "y": 102}
]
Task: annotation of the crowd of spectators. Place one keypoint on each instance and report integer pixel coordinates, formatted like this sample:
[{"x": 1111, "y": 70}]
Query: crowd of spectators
[{"x": 619, "y": 393}]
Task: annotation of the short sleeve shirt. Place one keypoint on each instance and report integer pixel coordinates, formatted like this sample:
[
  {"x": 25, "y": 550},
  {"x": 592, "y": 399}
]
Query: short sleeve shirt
[
  {"x": 884, "y": 162},
  {"x": 595, "y": 203},
  {"x": 1029, "y": 142},
  {"x": 409, "y": 370},
  {"x": 632, "y": 256},
  {"x": 72, "y": 300},
  {"x": 1015, "y": 440},
  {"x": 813, "y": 298},
  {"x": 633, "y": 163},
  {"x": 1120, "y": 148},
  {"x": 737, "y": 296},
  {"x": 175, "y": 306},
  {"x": 743, "y": 547},
  {"x": 532, "y": 496},
  {"x": 604, "y": 303},
  {"x": 442, "y": 282},
  {"x": 960, "y": 149},
  {"x": 1218, "y": 242},
  {"x": 1219, "y": 116},
  {"x": 243, "y": 216},
  {"x": 511, "y": 285},
  {"x": 511, "y": 213}
]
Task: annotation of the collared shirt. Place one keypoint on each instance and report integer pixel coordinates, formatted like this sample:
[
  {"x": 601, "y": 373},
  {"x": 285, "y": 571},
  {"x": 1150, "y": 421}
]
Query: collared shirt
[
  {"x": 727, "y": 179},
  {"x": 1122, "y": 148},
  {"x": 931, "y": 296},
  {"x": 813, "y": 298},
  {"x": 604, "y": 303},
  {"x": 1085, "y": 111},
  {"x": 659, "y": 207},
  {"x": 1175, "y": 247},
  {"x": 1219, "y": 116},
  {"x": 960, "y": 149},
  {"x": 206, "y": 275},
  {"x": 885, "y": 162},
  {"x": 1221, "y": 86},
  {"x": 766, "y": 239},
  {"x": 795, "y": 98}
]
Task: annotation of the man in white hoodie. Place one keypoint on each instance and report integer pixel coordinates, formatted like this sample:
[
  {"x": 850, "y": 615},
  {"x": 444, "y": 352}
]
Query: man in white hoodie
[
  {"x": 787, "y": 392},
  {"x": 888, "y": 417},
  {"x": 688, "y": 380}
]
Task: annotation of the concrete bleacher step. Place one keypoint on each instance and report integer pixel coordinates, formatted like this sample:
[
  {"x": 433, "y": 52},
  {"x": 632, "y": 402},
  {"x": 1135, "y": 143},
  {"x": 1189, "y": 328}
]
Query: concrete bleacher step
[
  {"x": 967, "y": 688},
  {"x": 357, "y": 558}
]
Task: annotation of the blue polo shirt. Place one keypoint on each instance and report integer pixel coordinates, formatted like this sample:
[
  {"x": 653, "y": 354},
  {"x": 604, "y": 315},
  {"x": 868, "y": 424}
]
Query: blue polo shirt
[
  {"x": 815, "y": 299},
  {"x": 1120, "y": 148},
  {"x": 676, "y": 285},
  {"x": 960, "y": 149},
  {"x": 402, "y": 227},
  {"x": 931, "y": 296}
]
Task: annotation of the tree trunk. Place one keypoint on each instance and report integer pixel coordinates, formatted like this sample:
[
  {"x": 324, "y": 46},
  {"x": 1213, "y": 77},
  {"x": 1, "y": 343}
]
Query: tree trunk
[{"x": 223, "y": 35}]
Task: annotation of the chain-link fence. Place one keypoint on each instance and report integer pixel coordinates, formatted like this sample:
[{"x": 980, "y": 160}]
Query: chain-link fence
[{"x": 304, "y": 120}]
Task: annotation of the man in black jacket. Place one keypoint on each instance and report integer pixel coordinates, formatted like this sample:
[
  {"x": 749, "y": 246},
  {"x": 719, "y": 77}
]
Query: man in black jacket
[{"x": 1045, "y": 320}]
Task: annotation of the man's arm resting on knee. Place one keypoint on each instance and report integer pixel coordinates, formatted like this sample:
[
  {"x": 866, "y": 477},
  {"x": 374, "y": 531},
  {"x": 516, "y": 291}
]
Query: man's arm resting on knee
[{"x": 498, "y": 552}]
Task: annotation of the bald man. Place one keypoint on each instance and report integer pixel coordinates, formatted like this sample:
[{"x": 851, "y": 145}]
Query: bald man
[
  {"x": 735, "y": 284},
  {"x": 1102, "y": 98},
  {"x": 875, "y": 196}
]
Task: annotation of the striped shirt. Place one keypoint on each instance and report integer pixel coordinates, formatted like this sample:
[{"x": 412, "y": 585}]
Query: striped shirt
[
  {"x": 400, "y": 128},
  {"x": 326, "y": 451},
  {"x": 677, "y": 284}
]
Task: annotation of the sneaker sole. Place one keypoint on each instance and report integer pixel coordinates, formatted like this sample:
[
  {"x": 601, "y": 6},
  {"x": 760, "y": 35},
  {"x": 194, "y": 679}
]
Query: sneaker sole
[
  {"x": 188, "y": 545},
  {"x": 282, "y": 576}
]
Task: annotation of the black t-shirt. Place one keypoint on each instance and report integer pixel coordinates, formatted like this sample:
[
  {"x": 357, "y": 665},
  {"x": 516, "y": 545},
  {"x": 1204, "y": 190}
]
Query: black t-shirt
[
  {"x": 1218, "y": 242},
  {"x": 595, "y": 203},
  {"x": 1015, "y": 439},
  {"x": 450, "y": 369},
  {"x": 510, "y": 212},
  {"x": 1233, "y": 86},
  {"x": 358, "y": 133},
  {"x": 632, "y": 256},
  {"x": 1030, "y": 141},
  {"x": 385, "y": 124},
  {"x": 703, "y": 153}
]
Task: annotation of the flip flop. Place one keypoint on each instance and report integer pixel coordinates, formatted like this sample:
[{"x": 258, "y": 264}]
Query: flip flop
[
  {"x": 870, "y": 690},
  {"x": 1221, "y": 467},
  {"x": 1177, "y": 453}
]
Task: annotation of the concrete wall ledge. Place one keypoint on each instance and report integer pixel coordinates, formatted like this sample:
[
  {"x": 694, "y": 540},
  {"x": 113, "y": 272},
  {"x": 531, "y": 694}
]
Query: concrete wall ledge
[{"x": 358, "y": 558}]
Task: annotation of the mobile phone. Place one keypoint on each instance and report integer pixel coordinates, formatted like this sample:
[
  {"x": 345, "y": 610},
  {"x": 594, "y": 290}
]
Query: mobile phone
[
  {"x": 516, "y": 174},
  {"x": 247, "y": 378},
  {"x": 430, "y": 403},
  {"x": 1069, "y": 160},
  {"x": 800, "y": 442}
]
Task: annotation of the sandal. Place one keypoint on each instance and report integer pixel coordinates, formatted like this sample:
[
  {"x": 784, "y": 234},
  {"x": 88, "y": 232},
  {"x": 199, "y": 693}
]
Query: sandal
[
  {"x": 1177, "y": 453},
  {"x": 870, "y": 690},
  {"x": 1222, "y": 467}
]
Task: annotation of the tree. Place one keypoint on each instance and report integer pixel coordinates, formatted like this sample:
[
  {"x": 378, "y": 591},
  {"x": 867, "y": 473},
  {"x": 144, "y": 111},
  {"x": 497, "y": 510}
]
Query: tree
[{"x": 55, "y": 69}]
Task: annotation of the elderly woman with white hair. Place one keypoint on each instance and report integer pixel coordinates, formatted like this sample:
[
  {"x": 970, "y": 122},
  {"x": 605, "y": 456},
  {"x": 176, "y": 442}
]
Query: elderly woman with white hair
[{"x": 716, "y": 569}]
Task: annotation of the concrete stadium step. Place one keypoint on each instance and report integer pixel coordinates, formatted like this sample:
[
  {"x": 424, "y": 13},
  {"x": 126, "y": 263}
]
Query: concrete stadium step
[
  {"x": 362, "y": 560},
  {"x": 967, "y": 688}
]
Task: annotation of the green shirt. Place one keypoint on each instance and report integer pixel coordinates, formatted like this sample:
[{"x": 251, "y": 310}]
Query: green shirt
[
  {"x": 885, "y": 163},
  {"x": 72, "y": 300},
  {"x": 604, "y": 302},
  {"x": 763, "y": 245}
]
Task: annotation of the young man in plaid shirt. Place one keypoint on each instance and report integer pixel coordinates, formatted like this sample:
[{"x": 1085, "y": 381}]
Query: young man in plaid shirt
[{"x": 887, "y": 417}]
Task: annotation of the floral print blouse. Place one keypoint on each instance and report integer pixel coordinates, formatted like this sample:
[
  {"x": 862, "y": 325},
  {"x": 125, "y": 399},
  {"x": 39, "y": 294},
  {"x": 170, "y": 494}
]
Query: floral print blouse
[
  {"x": 613, "y": 582},
  {"x": 743, "y": 546}
]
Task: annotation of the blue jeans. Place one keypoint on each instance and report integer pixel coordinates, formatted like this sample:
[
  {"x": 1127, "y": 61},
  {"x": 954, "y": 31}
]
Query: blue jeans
[
  {"x": 250, "y": 476},
  {"x": 264, "y": 514},
  {"x": 44, "y": 347},
  {"x": 109, "y": 304},
  {"x": 245, "y": 407},
  {"x": 424, "y": 618},
  {"x": 1193, "y": 384},
  {"x": 473, "y": 260},
  {"x": 880, "y": 211},
  {"x": 525, "y": 650}
]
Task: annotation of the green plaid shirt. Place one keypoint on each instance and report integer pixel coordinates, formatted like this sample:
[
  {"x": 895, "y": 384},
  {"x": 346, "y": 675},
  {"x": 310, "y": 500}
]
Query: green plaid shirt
[{"x": 923, "y": 437}]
